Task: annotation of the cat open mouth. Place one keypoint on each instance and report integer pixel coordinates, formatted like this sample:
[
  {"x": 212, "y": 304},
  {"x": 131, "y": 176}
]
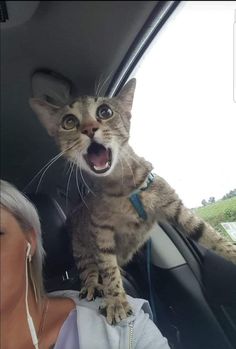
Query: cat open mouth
[{"x": 98, "y": 158}]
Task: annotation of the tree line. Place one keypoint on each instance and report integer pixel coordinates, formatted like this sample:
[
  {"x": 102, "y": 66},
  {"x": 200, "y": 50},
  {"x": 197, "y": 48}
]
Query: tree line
[{"x": 211, "y": 200}]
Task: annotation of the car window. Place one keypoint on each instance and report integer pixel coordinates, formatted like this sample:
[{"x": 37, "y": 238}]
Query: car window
[{"x": 184, "y": 113}]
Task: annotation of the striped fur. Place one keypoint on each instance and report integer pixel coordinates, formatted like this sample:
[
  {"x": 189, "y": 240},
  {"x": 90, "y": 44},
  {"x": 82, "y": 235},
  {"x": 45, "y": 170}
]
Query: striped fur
[{"x": 106, "y": 229}]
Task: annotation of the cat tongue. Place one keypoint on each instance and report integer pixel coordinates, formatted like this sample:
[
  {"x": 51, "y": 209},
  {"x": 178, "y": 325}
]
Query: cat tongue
[{"x": 100, "y": 159}]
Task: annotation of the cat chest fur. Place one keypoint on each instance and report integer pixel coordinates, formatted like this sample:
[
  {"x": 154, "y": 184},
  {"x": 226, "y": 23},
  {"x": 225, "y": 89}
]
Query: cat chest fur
[{"x": 113, "y": 221}]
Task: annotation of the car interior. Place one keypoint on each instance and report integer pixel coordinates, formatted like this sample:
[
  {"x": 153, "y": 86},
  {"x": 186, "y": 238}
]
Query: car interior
[{"x": 191, "y": 290}]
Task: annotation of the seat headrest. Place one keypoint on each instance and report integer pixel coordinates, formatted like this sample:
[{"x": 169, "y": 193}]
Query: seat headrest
[{"x": 56, "y": 239}]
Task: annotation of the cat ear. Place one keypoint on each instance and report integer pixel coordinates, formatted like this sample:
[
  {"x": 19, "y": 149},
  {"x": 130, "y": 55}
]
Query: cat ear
[
  {"x": 126, "y": 94},
  {"x": 47, "y": 114}
]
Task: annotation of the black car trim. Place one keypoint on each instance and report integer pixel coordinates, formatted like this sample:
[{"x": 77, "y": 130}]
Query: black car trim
[{"x": 154, "y": 23}]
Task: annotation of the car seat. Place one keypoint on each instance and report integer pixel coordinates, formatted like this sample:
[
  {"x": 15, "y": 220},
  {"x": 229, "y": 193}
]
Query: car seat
[{"x": 60, "y": 272}]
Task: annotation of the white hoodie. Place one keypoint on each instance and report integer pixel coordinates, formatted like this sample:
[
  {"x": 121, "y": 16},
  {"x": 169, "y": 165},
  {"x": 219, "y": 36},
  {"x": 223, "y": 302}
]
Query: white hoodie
[{"x": 136, "y": 332}]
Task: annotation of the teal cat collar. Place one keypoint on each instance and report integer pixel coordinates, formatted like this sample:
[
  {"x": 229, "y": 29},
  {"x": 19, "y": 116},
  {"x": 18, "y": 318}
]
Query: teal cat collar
[{"x": 135, "y": 197}]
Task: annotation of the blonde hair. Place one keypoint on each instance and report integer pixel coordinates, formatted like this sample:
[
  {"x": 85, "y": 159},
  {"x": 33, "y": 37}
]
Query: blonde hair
[{"x": 26, "y": 215}]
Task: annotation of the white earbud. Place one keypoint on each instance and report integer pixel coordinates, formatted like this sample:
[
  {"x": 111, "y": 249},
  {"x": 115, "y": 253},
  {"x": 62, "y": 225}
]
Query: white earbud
[
  {"x": 28, "y": 255},
  {"x": 29, "y": 318}
]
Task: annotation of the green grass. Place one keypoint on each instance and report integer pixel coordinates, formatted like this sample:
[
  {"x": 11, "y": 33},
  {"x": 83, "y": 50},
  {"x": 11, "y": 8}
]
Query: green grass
[{"x": 219, "y": 212}]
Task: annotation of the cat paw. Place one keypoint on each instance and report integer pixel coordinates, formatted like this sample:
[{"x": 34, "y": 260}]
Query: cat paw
[
  {"x": 115, "y": 310},
  {"x": 91, "y": 292}
]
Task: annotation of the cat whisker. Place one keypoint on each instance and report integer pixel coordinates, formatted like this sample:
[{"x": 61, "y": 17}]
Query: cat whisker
[
  {"x": 51, "y": 163},
  {"x": 85, "y": 183},
  {"x": 46, "y": 167},
  {"x": 41, "y": 177},
  {"x": 100, "y": 85},
  {"x": 115, "y": 134},
  {"x": 78, "y": 187},
  {"x": 41, "y": 170},
  {"x": 115, "y": 131},
  {"x": 123, "y": 124},
  {"x": 118, "y": 126},
  {"x": 131, "y": 157},
  {"x": 96, "y": 86},
  {"x": 122, "y": 171},
  {"x": 130, "y": 171},
  {"x": 71, "y": 167}
]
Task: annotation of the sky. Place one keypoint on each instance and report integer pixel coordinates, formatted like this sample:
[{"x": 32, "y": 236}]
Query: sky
[{"x": 184, "y": 114}]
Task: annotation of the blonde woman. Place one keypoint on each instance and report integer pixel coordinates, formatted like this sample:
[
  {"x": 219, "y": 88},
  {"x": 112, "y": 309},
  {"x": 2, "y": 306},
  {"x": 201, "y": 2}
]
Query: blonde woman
[{"x": 30, "y": 318}]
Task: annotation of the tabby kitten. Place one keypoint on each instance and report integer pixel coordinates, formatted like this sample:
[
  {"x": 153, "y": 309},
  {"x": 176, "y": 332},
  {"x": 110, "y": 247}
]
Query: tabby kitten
[{"x": 110, "y": 227}]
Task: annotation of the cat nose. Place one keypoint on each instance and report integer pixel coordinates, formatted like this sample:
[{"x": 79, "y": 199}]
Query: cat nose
[{"x": 90, "y": 129}]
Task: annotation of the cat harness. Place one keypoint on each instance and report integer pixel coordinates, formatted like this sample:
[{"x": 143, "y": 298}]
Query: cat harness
[{"x": 135, "y": 197}]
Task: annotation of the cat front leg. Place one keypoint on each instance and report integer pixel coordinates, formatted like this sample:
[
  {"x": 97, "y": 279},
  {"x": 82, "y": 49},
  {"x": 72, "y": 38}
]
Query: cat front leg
[
  {"x": 173, "y": 210},
  {"x": 115, "y": 305},
  {"x": 89, "y": 275}
]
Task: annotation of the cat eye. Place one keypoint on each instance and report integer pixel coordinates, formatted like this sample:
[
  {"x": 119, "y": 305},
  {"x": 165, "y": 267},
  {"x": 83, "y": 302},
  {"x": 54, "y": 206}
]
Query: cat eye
[
  {"x": 104, "y": 112},
  {"x": 69, "y": 122}
]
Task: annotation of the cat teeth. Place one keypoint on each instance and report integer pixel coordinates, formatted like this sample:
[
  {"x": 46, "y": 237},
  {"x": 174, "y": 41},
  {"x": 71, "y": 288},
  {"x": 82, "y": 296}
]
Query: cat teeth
[{"x": 98, "y": 168}]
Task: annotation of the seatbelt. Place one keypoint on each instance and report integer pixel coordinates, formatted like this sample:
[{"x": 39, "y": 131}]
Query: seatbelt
[{"x": 151, "y": 295}]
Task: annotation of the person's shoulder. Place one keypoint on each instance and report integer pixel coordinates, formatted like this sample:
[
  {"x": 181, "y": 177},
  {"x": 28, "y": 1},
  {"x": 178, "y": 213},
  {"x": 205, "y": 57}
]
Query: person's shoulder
[
  {"x": 136, "y": 303},
  {"x": 145, "y": 333}
]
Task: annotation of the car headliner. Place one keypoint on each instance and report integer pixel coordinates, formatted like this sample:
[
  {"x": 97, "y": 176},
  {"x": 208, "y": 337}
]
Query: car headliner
[{"x": 82, "y": 40}]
